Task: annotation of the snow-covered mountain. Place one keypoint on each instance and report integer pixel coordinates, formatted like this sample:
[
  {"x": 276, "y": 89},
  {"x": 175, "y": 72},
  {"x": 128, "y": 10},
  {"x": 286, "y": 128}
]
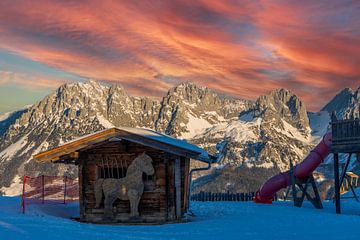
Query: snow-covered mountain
[
  {"x": 261, "y": 134},
  {"x": 346, "y": 104},
  {"x": 81, "y": 108},
  {"x": 8, "y": 119}
]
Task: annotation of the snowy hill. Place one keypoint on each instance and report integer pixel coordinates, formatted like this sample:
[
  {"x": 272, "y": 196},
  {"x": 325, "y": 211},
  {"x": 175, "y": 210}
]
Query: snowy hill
[
  {"x": 214, "y": 220},
  {"x": 266, "y": 133}
]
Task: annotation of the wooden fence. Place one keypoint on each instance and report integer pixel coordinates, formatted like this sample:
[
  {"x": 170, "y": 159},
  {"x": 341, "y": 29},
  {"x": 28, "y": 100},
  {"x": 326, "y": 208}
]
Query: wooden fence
[
  {"x": 344, "y": 131},
  {"x": 213, "y": 197}
]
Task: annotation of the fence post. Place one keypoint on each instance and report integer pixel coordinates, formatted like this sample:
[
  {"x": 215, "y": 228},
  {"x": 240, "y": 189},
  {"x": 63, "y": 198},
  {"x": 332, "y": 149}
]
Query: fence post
[
  {"x": 252, "y": 196},
  {"x": 65, "y": 189},
  {"x": 23, "y": 196},
  {"x": 43, "y": 188}
]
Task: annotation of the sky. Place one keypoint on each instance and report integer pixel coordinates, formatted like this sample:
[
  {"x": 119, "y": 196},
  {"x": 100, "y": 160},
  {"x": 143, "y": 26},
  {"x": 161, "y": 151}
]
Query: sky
[{"x": 241, "y": 48}]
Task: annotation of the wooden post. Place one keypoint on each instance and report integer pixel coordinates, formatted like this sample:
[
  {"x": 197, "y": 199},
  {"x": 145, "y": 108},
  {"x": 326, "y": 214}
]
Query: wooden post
[
  {"x": 167, "y": 188},
  {"x": 293, "y": 186},
  {"x": 316, "y": 200},
  {"x": 65, "y": 178},
  {"x": 23, "y": 195},
  {"x": 343, "y": 174},
  {"x": 43, "y": 188},
  {"x": 83, "y": 184},
  {"x": 178, "y": 188},
  {"x": 337, "y": 183}
]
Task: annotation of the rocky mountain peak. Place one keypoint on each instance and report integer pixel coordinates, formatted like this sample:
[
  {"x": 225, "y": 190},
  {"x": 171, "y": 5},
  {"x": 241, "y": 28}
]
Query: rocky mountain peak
[
  {"x": 190, "y": 92},
  {"x": 284, "y": 104},
  {"x": 198, "y": 107},
  {"x": 346, "y": 104}
]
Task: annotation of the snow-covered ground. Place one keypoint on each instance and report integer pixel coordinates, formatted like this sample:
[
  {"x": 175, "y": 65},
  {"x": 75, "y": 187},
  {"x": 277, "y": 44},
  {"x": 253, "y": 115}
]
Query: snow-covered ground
[{"x": 215, "y": 220}]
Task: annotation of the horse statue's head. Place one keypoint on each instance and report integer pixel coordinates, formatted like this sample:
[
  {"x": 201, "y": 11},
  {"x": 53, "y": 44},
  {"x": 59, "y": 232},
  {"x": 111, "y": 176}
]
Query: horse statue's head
[{"x": 144, "y": 163}]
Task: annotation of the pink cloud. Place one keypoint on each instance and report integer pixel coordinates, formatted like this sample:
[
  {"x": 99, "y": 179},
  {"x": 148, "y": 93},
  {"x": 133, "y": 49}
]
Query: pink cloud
[{"x": 242, "y": 48}]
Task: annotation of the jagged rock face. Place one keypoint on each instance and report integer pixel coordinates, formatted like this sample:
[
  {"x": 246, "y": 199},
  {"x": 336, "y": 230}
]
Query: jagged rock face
[
  {"x": 7, "y": 119},
  {"x": 269, "y": 134},
  {"x": 188, "y": 109},
  {"x": 346, "y": 104},
  {"x": 284, "y": 131},
  {"x": 285, "y": 105}
]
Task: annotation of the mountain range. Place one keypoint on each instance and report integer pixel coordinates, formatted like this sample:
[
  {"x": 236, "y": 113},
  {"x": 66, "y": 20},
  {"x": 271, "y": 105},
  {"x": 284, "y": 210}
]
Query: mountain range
[{"x": 255, "y": 138}]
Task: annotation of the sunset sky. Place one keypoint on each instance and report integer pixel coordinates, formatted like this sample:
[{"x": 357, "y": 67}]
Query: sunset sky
[{"x": 241, "y": 48}]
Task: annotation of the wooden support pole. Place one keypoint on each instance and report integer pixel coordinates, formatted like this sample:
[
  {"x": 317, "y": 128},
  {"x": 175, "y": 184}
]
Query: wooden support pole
[
  {"x": 316, "y": 200},
  {"x": 352, "y": 189},
  {"x": 343, "y": 174},
  {"x": 65, "y": 181},
  {"x": 337, "y": 183},
  {"x": 23, "y": 204},
  {"x": 293, "y": 186},
  {"x": 167, "y": 188},
  {"x": 177, "y": 188},
  {"x": 43, "y": 188}
]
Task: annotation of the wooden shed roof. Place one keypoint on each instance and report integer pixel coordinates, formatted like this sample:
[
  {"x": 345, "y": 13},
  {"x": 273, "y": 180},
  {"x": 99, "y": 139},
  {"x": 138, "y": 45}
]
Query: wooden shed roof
[{"x": 141, "y": 136}]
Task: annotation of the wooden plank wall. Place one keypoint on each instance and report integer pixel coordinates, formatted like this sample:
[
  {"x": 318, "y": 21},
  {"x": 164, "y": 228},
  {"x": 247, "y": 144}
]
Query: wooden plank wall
[
  {"x": 346, "y": 130},
  {"x": 155, "y": 206}
]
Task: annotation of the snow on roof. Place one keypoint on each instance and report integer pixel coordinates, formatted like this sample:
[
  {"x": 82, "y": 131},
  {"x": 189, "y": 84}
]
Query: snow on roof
[
  {"x": 148, "y": 133},
  {"x": 83, "y": 137},
  {"x": 153, "y": 135}
]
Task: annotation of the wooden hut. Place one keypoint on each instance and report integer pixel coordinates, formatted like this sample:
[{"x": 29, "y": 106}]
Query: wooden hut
[{"x": 129, "y": 175}]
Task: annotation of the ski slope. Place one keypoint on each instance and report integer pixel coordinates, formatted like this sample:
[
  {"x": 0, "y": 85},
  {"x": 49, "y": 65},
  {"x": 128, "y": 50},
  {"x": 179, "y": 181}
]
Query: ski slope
[{"x": 215, "y": 220}]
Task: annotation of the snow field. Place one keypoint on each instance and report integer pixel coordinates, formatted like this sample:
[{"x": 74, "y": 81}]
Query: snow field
[{"x": 214, "y": 220}]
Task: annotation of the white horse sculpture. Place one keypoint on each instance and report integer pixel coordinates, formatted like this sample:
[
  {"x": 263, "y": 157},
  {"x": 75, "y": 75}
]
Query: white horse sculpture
[{"x": 131, "y": 187}]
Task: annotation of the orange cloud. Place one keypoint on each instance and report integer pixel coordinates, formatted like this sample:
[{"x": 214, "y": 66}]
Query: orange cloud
[
  {"x": 29, "y": 81},
  {"x": 243, "y": 48}
]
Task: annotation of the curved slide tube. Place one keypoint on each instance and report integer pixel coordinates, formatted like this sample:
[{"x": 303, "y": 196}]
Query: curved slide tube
[{"x": 301, "y": 171}]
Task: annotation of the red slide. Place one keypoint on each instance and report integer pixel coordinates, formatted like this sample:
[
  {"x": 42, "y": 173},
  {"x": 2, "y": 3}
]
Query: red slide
[{"x": 301, "y": 171}]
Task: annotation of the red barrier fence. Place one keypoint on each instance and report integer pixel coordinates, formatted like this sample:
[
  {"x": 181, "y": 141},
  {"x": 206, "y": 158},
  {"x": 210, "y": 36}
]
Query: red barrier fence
[{"x": 49, "y": 190}]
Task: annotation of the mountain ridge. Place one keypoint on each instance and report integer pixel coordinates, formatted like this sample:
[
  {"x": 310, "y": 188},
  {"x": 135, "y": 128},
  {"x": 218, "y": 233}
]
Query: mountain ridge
[{"x": 265, "y": 133}]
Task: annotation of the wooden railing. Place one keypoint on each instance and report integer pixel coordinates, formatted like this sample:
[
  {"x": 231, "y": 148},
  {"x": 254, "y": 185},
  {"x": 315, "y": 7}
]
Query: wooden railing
[
  {"x": 213, "y": 197},
  {"x": 345, "y": 131}
]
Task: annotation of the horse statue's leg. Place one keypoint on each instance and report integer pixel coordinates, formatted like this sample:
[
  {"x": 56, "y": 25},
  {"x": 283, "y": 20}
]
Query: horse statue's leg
[
  {"x": 134, "y": 197},
  {"x": 98, "y": 192},
  {"x": 108, "y": 204}
]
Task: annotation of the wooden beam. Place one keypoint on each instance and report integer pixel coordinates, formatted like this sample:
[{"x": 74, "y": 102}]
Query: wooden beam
[
  {"x": 337, "y": 183},
  {"x": 167, "y": 188},
  {"x": 186, "y": 183},
  {"x": 177, "y": 174},
  {"x": 75, "y": 145},
  {"x": 343, "y": 174}
]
